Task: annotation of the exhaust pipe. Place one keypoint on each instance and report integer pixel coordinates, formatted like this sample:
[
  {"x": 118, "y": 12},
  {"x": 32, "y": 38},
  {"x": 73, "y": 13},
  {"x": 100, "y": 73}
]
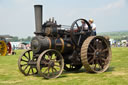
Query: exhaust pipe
[{"x": 38, "y": 18}]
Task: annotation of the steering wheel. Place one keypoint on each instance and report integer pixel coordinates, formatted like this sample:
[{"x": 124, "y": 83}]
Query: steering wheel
[{"x": 78, "y": 30}]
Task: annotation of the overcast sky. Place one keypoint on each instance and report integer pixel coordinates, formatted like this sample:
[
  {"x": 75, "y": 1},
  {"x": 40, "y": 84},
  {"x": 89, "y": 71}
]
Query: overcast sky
[{"x": 17, "y": 16}]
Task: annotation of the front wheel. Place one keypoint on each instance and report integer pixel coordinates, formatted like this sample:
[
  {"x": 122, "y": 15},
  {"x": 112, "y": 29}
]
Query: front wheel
[
  {"x": 26, "y": 63},
  {"x": 50, "y": 64}
]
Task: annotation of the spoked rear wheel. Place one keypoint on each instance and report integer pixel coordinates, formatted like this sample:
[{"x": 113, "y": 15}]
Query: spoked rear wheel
[
  {"x": 50, "y": 64},
  {"x": 96, "y": 54},
  {"x": 27, "y": 63}
]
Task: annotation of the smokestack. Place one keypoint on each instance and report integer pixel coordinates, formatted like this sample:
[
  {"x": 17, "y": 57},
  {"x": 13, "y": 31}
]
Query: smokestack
[{"x": 38, "y": 18}]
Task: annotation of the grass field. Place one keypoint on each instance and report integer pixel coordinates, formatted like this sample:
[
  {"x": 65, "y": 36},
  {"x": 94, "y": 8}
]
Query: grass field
[{"x": 117, "y": 74}]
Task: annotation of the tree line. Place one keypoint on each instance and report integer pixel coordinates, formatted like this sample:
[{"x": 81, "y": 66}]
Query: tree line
[
  {"x": 17, "y": 39},
  {"x": 118, "y": 36}
]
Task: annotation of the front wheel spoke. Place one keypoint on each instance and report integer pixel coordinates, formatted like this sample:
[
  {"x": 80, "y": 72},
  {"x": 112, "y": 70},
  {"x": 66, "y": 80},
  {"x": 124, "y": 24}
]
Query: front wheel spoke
[
  {"x": 29, "y": 55},
  {"x": 23, "y": 65},
  {"x": 32, "y": 71},
  {"x": 44, "y": 62},
  {"x": 57, "y": 65},
  {"x": 50, "y": 57},
  {"x": 52, "y": 72},
  {"x": 24, "y": 60},
  {"x": 45, "y": 70},
  {"x": 47, "y": 54},
  {"x": 58, "y": 61},
  {"x": 25, "y": 68},
  {"x": 48, "y": 71},
  {"x": 26, "y": 57},
  {"x": 55, "y": 69},
  {"x": 54, "y": 60},
  {"x": 53, "y": 56},
  {"x": 29, "y": 70}
]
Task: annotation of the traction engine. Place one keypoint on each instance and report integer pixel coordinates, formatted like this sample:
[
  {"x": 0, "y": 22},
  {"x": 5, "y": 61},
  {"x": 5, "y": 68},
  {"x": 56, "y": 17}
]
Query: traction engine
[{"x": 54, "y": 49}]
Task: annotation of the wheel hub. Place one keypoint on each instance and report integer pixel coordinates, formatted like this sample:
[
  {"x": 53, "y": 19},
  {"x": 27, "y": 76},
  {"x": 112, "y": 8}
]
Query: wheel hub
[
  {"x": 51, "y": 63},
  {"x": 97, "y": 53}
]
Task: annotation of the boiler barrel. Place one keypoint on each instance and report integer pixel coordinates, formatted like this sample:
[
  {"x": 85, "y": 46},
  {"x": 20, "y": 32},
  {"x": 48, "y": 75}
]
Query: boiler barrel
[{"x": 39, "y": 44}]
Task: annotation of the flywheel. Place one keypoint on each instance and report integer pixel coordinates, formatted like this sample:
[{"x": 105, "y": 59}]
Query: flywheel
[
  {"x": 3, "y": 48},
  {"x": 96, "y": 54}
]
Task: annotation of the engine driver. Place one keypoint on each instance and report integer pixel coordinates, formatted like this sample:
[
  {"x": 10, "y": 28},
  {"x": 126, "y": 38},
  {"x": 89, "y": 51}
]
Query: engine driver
[{"x": 91, "y": 22}]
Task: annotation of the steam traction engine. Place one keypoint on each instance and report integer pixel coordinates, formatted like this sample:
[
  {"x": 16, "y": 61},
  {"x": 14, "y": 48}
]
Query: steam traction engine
[{"x": 54, "y": 49}]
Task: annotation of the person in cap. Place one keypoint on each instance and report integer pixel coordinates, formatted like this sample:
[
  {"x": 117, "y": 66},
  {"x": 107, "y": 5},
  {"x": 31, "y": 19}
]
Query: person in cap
[{"x": 91, "y": 22}]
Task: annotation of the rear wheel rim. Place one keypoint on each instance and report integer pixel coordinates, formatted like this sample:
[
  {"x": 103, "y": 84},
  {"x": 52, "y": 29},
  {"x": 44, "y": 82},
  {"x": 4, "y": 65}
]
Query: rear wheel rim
[{"x": 96, "y": 54}]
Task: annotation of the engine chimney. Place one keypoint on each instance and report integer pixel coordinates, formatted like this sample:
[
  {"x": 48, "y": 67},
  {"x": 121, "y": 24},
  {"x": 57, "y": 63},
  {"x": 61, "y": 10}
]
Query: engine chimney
[{"x": 38, "y": 19}]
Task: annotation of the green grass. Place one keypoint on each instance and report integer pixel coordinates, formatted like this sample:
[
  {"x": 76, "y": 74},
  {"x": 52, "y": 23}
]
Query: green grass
[{"x": 117, "y": 74}]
